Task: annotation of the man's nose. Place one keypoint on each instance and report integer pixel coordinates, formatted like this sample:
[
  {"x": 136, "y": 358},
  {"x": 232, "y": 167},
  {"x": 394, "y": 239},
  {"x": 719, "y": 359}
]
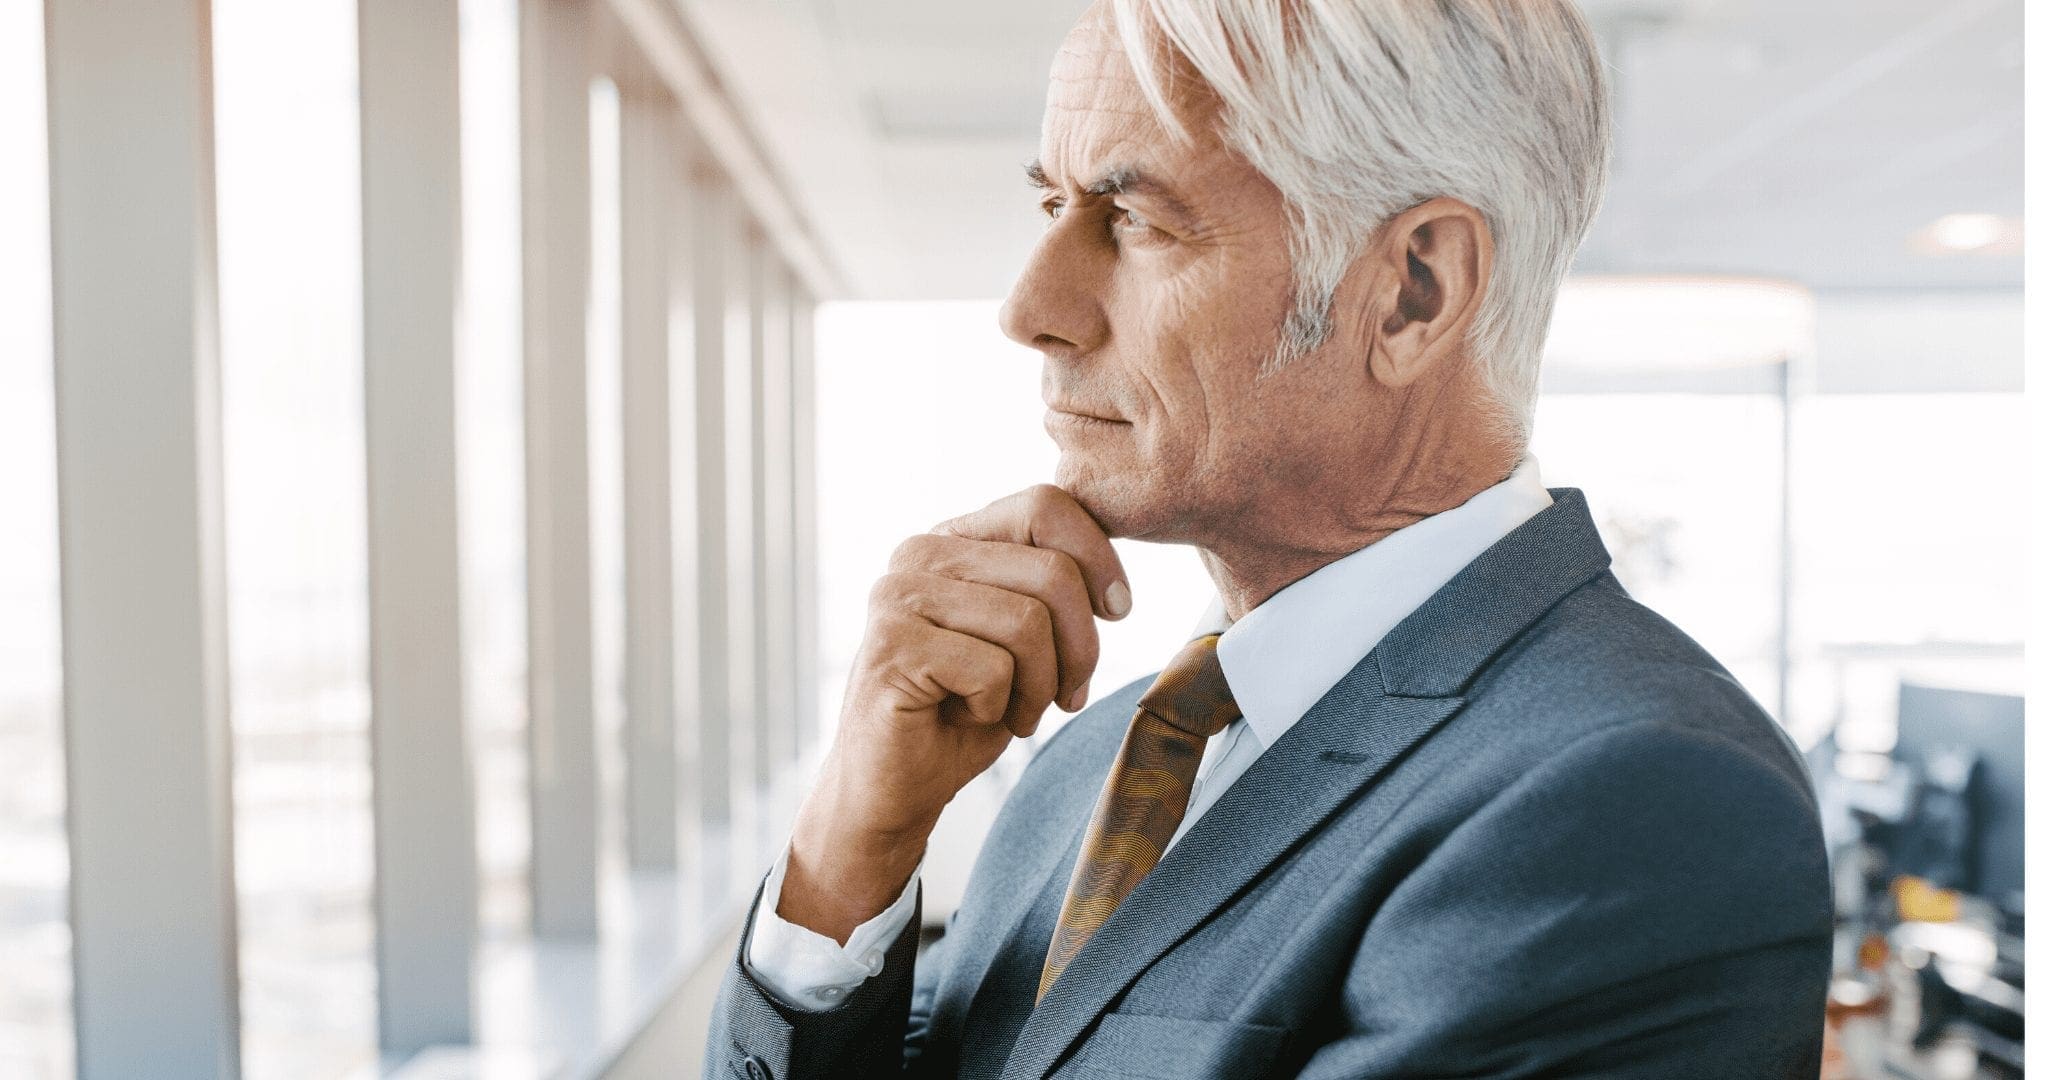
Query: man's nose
[{"x": 1056, "y": 303}]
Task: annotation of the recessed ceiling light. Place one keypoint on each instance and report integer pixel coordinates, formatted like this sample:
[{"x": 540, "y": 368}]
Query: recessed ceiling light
[{"x": 1971, "y": 234}]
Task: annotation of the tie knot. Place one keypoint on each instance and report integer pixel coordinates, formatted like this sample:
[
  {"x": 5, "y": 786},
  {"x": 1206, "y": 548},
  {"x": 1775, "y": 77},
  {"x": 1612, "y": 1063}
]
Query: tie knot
[{"x": 1191, "y": 693}]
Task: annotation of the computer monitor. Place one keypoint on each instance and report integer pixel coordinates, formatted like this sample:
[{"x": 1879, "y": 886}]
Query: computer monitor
[{"x": 1931, "y": 719}]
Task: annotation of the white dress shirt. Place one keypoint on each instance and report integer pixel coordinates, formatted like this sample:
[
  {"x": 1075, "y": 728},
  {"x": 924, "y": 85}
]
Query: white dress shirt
[{"x": 1280, "y": 659}]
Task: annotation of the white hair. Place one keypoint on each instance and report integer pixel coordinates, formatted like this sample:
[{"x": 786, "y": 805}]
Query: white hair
[{"x": 1359, "y": 109}]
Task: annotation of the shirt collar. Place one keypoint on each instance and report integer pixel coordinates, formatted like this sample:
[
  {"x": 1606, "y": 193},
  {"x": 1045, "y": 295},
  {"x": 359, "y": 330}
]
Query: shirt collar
[{"x": 1287, "y": 652}]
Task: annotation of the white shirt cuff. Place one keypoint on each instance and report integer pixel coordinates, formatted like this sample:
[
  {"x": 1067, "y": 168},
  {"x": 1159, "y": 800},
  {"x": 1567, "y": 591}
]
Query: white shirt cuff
[{"x": 809, "y": 970}]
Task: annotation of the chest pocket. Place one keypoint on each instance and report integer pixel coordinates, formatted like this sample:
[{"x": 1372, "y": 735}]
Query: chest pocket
[{"x": 1170, "y": 1048}]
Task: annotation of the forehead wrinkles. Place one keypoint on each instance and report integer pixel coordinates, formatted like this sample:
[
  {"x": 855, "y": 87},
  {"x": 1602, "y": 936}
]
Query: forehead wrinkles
[
  {"x": 1090, "y": 71},
  {"x": 1093, "y": 70},
  {"x": 1092, "y": 80}
]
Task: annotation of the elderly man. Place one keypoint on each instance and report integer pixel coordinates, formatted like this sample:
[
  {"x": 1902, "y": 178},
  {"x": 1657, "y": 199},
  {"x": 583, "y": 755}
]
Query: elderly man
[{"x": 1427, "y": 794}]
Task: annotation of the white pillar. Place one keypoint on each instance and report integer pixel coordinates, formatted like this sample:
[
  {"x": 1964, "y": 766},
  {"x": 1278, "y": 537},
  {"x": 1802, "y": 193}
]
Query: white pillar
[
  {"x": 778, "y": 510},
  {"x": 777, "y": 515},
  {"x": 554, "y": 85},
  {"x": 745, "y": 549},
  {"x": 683, "y": 555},
  {"x": 139, "y": 532},
  {"x": 710, "y": 248},
  {"x": 803, "y": 442},
  {"x": 426, "y": 890},
  {"x": 646, "y": 125}
]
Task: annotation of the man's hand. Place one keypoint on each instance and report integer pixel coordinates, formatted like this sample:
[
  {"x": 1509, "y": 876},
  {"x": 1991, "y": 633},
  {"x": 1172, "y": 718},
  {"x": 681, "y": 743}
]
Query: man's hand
[{"x": 978, "y": 626}]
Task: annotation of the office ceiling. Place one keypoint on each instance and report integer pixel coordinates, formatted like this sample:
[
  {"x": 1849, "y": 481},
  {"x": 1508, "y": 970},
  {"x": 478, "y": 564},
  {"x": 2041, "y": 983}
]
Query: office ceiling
[{"x": 1808, "y": 139}]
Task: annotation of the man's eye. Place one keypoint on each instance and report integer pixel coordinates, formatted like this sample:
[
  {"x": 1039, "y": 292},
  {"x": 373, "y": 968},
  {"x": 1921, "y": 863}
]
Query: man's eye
[{"x": 1132, "y": 225}]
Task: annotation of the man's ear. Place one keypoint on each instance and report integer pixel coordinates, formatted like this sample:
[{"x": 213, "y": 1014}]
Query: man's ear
[{"x": 1429, "y": 267}]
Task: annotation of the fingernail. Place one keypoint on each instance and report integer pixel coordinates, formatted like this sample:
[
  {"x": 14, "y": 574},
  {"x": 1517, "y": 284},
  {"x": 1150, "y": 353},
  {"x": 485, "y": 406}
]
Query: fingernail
[
  {"x": 1080, "y": 698},
  {"x": 1117, "y": 599}
]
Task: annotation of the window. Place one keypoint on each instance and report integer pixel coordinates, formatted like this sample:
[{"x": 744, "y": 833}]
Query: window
[
  {"x": 35, "y": 937},
  {"x": 491, "y": 428},
  {"x": 288, "y": 171},
  {"x": 1883, "y": 593}
]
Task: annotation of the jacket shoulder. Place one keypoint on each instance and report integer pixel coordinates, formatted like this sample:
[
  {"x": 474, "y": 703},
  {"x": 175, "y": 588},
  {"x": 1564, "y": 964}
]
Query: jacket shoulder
[{"x": 1600, "y": 658}]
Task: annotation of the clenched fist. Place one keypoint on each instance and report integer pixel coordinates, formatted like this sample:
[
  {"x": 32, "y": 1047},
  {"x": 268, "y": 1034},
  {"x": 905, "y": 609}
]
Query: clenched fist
[{"x": 977, "y": 627}]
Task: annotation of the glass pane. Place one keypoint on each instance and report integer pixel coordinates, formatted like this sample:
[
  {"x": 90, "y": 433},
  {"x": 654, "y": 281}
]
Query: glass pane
[
  {"x": 290, "y": 237},
  {"x": 491, "y": 427},
  {"x": 1881, "y": 595},
  {"x": 35, "y": 934}
]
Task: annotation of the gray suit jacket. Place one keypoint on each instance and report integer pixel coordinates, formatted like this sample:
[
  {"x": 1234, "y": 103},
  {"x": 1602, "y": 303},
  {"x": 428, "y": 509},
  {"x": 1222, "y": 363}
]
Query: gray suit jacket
[{"x": 1536, "y": 832}]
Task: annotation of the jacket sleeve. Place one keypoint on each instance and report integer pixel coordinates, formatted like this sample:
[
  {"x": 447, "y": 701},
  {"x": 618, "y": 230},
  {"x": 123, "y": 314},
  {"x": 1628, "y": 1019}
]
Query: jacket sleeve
[
  {"x": 1651, "y": 902},
  {"x": 756, "y": 1036}
]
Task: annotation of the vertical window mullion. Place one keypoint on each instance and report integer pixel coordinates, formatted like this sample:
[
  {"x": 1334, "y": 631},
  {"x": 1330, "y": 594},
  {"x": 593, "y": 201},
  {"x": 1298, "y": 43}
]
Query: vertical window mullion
[
  {"x": 777, "y": 514},
  {"x": 711, "y": 247},
  {"x": 426, "y": 874},
  {"x": 554, "y": 171},
  {"x": 647, "y": 120},
  {"x": 143, "y": 601},
  {"x": 803, "y": 494},
  {"x": 742, "y": 608}
]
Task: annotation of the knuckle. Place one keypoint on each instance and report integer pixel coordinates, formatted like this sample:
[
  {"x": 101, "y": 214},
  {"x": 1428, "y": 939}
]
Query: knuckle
[
  {"x": 1041, "y": 500},
  {"x": 994, "y": 671},
  {"x": 1084, "y": 646},
  {"x": 1066, "y": 574},
  {"x": 912, "y": 552},
  {"x": 1085, "y": 657},
  {"x": 899, "y": 593},
  {"x": 1049, "y": 567},
  {"x": 889, "y": 619},
  {"x": 1060, "y": 576},
  {"x": 1029, "y": 617},
  {"x": 1005, "y": 618},
  {"x": 883, "y": 640},
  {"x": 884, "y": 591}
]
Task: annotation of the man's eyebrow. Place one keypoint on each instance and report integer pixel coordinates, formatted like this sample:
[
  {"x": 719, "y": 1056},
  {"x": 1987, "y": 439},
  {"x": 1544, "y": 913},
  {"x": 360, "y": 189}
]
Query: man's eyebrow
[
  {"x": 1123, "y": 179},
  {"x": 1117, "y": 180}
]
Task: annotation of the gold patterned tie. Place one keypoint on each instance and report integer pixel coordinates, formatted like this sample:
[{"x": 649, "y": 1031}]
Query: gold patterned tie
[{"x": 1145, "y": 796}]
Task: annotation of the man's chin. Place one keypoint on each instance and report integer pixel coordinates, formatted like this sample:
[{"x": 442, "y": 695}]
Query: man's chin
[{"x": 1118, "y": 501}]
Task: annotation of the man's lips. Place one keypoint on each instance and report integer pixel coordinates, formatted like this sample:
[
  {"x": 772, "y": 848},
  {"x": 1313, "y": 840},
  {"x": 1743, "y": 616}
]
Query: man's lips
[
  {"x": 1053, "y": 410},
  {"x": 1062, "y": 425}
]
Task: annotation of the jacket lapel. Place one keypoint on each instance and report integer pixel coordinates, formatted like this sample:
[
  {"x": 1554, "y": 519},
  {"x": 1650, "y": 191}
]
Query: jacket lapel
[
  {"x": 1001, "y": 891},
  {"x": 1349, "y": 738},
  {"x": 1406, "y": 687}
]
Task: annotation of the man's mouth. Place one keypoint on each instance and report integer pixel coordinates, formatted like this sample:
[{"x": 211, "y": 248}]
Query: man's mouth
[
  {"x": 1059, "y": 420},
  {"x": 1083, "y": 411}
]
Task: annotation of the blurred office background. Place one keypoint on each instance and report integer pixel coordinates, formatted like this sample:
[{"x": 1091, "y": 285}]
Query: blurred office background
[{"x": 475, "y": 425}]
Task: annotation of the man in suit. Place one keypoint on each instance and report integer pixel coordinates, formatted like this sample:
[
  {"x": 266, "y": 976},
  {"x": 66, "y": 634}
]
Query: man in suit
[{"x": 1426, "y": 793}]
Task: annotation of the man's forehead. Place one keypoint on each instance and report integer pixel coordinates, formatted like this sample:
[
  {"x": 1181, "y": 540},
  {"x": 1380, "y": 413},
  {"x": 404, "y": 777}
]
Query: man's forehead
[
  {"x": 1091, "y": 69},
  {"x": 1096, "y": 111}
]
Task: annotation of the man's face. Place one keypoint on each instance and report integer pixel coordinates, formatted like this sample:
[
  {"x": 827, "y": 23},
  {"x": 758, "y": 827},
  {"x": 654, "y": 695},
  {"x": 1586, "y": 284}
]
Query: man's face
[{"x": 1157, "y": 292}]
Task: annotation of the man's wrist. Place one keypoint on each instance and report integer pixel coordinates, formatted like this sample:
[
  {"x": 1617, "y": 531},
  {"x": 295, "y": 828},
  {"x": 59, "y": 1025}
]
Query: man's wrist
[
  {"x": 804, "y": 969},
  {"x": 833, "y": 892},
  {"x": 842, "y": 872}
]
